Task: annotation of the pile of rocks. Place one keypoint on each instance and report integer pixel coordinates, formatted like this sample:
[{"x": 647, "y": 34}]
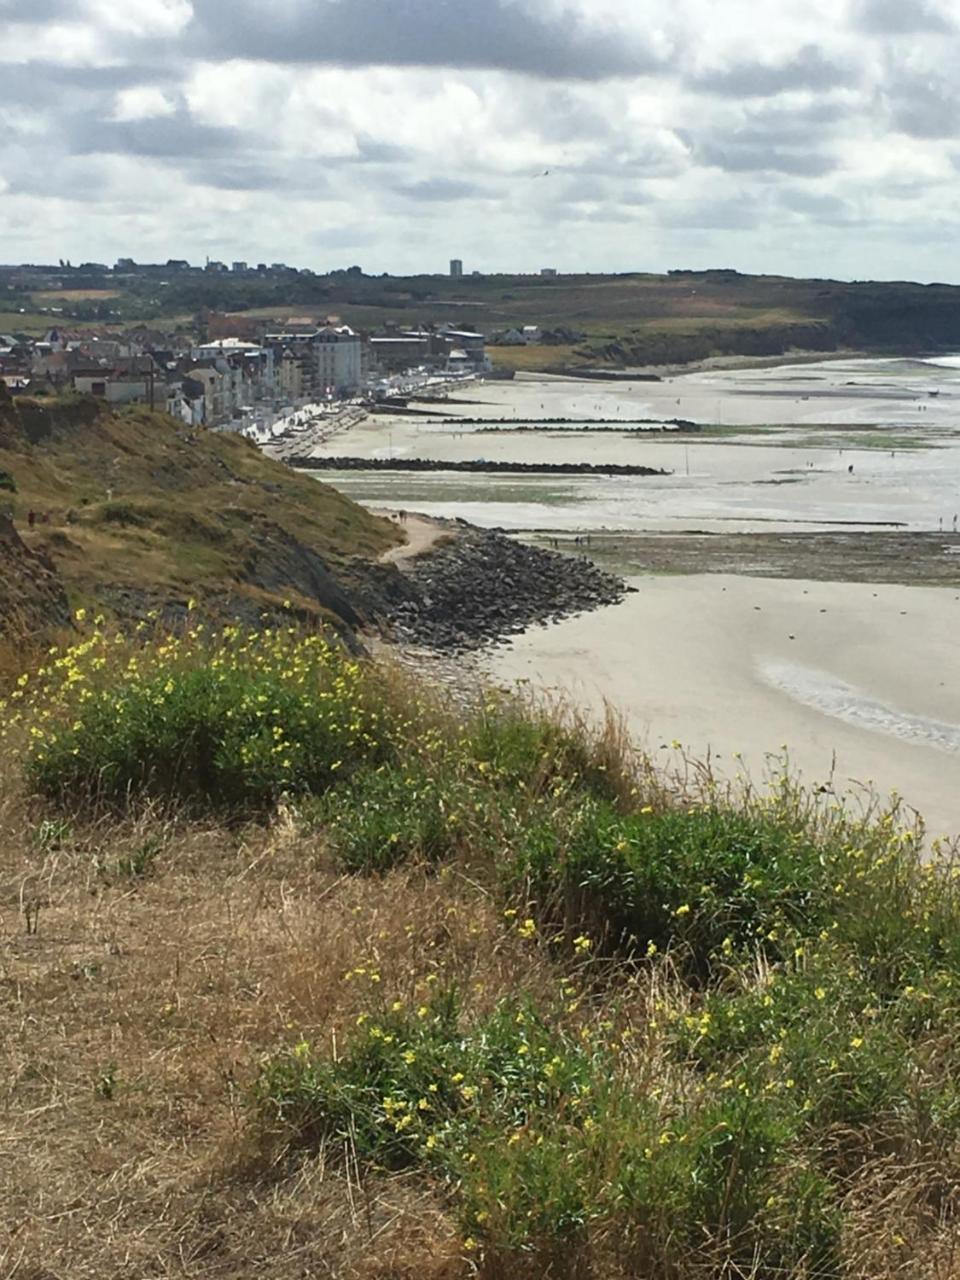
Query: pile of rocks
[{"x": 483, "y": 586}]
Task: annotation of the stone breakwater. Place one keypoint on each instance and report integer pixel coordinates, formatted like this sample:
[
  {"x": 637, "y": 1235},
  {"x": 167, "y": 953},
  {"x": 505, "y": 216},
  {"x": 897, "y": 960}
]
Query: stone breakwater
[
  {"x": 480, "y": 587},
  {"x": 585, "y": 425},
  {"x": 479, "y": 466}
]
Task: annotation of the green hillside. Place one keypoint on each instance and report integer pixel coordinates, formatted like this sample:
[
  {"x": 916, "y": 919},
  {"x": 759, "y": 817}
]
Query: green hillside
[{"x": 139, "y": 513}]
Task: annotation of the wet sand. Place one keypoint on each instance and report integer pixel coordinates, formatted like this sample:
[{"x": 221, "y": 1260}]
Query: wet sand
[
  {"x": 865, "y": 674},
  {"x": 789, "y": 439},
  {"x": 879, "y": 555}
]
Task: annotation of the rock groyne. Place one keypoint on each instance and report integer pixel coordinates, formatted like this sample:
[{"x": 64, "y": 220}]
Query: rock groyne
[
  {"x": 479, "y": 588},
  {"x": 479, "y": 466}
]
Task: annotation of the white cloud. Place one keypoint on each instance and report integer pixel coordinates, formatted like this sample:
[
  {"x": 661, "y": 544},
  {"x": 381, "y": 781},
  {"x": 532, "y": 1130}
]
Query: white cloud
[
  {"x": 141, "y": 18},
  {"x": 143, "y": 102}
]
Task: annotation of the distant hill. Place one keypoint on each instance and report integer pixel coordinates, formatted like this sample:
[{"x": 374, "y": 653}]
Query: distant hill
[
  {"x": 632, "y": 318},
  {"x": 136, "y": 514}
]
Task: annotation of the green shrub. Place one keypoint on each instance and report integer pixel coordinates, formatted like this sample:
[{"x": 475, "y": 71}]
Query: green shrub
[
  {"x": 393, "y": 814},
  {"x": 414, "y": 1084},
  {"x": 235, "y": 722},
  {"x": 122, "y": 513},
  {"x": 697, "y": 879},
  {"x": 542, "y": 1138},
  {"x": 7, "y": 482},
  {"x": 817, "y": 1039},
  {"x": 527, "y": 749}
]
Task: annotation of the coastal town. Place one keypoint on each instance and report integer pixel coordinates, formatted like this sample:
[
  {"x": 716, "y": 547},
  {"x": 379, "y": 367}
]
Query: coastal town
[{"x": 221, "y": 368}]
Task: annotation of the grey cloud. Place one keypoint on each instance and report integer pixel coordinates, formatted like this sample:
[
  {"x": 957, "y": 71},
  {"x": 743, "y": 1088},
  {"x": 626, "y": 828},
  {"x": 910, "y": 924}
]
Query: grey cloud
[
  {"x": 606, "y": 192},
  {"x": 923, "y": 106},
  {"x": 157, "y": 138},
  {"x": 629, "y": 157},
  {"x": 781, "y": 126},
  {"x": 242, "y": 173},
  {"x": 820, "y": 207},
  {"x": 203, "y": 155},
  {"x": 36, "y": 11},
  {"x": 772, "y": 138},
  {"x": 563, "y": 115},
  {"x": 810, "y": 68},
  {"x": 738, "y": 157},
  {"x": 508, "y": 35},
  {"x": 441, "y": 189},
  {"x": 901, "y": 17},
  {"x": 374, "y": 151},
  {"x": 48, "y": 84},
  {"x": 84, "y": 180}
]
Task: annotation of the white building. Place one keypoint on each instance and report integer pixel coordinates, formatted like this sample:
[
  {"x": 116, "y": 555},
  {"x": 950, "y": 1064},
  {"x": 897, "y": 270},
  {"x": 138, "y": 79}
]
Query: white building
[
  {"x": 339, "y": 357},
  {"x": 248, "y": 369}
]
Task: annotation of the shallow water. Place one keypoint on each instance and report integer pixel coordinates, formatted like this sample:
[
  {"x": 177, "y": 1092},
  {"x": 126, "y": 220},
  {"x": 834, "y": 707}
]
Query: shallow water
[{"x": 824, "y": 692}]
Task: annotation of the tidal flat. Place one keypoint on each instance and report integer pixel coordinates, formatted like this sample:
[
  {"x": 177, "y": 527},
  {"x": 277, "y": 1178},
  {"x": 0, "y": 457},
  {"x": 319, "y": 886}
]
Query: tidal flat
[{"x": 797, "y": 575}]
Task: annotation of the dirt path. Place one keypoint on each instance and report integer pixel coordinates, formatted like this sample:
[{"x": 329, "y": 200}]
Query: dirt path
[{"x": 422, "y": 532}]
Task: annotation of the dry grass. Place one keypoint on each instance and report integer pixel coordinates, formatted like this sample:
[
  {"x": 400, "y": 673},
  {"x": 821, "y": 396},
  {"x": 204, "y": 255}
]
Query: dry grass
[
  {"x": 139, "y": 504},
  {"x": 74, "y": 295},
  {"x": 537, "y": 359},
  {"x": 136, "y": 1013},
  {"x": 149, "y": 966}
]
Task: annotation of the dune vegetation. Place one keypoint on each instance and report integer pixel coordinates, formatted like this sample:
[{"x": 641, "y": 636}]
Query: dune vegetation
[{"x": 306, "y": 972}]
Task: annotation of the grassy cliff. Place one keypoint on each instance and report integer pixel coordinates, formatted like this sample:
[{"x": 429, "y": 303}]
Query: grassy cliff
[
  {"x": 307, "y": 973},
  {"x": 138, "y": 513}
]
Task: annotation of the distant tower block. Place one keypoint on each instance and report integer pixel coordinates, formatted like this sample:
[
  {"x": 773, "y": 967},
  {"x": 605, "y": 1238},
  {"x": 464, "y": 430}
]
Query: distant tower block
[{"x": 456, "y": 268}]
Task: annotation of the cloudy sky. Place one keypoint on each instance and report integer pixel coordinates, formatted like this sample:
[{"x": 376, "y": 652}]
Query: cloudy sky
[{"x": 814, "y": 137}]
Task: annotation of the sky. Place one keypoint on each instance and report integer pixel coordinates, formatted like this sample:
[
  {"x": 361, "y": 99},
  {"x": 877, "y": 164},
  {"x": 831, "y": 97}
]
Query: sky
[{"x": 806, "y": 137}]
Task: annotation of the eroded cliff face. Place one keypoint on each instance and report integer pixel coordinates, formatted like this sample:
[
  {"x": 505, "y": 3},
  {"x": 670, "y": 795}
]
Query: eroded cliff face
[{"x": 33, "y": 601}]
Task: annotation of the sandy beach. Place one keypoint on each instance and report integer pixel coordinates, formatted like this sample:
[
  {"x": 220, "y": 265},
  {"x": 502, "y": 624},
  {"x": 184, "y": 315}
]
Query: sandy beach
[
  {"x": 841, "y": 481},
  {"x": 863, "y": 675}
]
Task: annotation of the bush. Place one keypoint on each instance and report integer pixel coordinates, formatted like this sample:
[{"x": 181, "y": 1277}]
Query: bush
[
  {"x": 531, "y": 751},
  {"x": 697, "y": 879},
  {"x": 235, "y": 720},
  {"x": 545, "y": 1142},
  {"x": 393, "y": 814}
]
